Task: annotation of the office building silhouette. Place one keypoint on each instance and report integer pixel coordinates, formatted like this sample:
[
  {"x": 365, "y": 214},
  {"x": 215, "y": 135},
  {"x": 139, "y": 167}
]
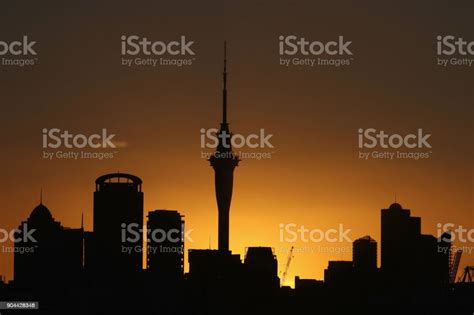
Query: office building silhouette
[
  {"x": 364, "y": 259},
  {"x": 364, "y": 254},
  {"x": 213, "y": 267},
  {"x": 165, "y": 244},
  {"x": 339, "y": 274},
  {"x": 261, "y": 268},
  {"x": 117, "y": 240},
  {"x": 310, "y": 285},
  {"x": 409, "y": 256},
  {"x": 400, "y": 234},
  {"x": 46, "y": 253}
]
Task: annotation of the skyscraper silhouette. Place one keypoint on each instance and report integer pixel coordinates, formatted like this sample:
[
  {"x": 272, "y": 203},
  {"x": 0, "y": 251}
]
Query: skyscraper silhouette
[
  {"x": 224, "y": 162},
  {"x": 118, "y": 212},
  {"x": 409, "y": 256},
  {"x": 400, "y": 233}
]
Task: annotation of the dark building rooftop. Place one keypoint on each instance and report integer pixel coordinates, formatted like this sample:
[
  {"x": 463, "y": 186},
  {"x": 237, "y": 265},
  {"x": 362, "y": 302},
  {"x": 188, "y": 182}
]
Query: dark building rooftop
[
  {"x": 395, "y": 206},
  {"x": 41, "y": 213},
  {"x": 117, "y": 179}
]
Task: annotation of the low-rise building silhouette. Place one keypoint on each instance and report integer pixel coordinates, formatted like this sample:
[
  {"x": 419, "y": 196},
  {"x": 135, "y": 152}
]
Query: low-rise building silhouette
[
  {"x": 339, "y": 274},
  {"x": 261, "y": 268},
  {"x": 209, "y": 266},
  {"x": 311, "y": 285}
]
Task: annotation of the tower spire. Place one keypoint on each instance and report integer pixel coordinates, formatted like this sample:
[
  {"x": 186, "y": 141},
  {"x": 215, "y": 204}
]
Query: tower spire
[
  {"x": 224, "y": 91},
  {"x": 41, "y": 196}
]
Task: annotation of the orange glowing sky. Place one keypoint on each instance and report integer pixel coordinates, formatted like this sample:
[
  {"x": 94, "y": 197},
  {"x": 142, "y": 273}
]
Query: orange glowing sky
[{"x": 314, "y": 177}]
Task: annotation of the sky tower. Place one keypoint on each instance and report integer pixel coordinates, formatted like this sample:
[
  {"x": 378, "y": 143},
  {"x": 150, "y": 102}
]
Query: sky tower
[{"x": 224, "y": 161}]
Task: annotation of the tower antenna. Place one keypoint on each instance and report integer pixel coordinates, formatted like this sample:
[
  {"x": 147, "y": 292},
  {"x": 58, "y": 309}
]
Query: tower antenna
[{"x": 224, "y": 91}]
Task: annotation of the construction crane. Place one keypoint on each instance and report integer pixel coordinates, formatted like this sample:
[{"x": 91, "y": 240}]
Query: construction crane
[
  {"x": 290, "y": 256},
  {"x": 454, "y": 266},
  {"x": 468, "y": 274}
]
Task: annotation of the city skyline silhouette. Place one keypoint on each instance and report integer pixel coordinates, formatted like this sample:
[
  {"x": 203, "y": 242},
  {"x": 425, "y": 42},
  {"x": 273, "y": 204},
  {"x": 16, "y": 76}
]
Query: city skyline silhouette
[
  {"x": 92, "y": 268},
  {"x": 314, "y": 178},
  {"x": 413, "y": 267},
  {"x": 320, "y": 200}
]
